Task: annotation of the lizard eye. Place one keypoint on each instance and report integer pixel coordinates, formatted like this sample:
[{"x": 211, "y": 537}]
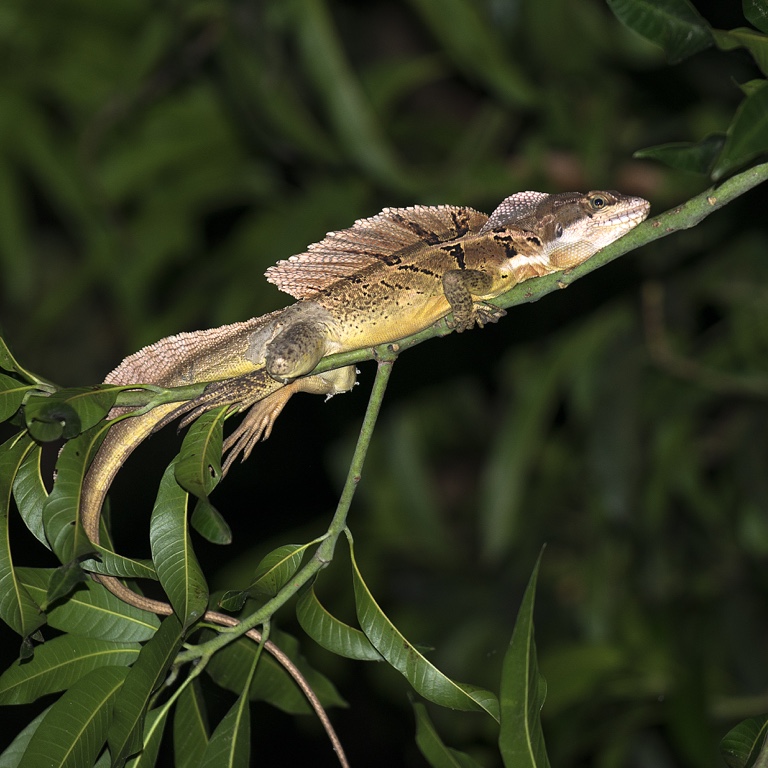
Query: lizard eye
[
  {"x": 597, "y": 202},
  {"x": 559, "y": 230}
]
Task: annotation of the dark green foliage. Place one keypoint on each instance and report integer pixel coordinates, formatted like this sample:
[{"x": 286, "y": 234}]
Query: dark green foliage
[{"x": 156, "y": 158}]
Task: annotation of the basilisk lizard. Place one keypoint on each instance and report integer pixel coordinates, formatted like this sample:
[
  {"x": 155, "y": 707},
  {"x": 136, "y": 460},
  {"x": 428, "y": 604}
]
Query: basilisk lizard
[{"x": 384, "y": 278}]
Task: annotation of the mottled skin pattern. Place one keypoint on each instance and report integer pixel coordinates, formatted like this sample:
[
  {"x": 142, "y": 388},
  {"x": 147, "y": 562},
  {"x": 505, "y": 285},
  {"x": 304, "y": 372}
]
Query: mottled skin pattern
[{"x": 384, "y": 278}]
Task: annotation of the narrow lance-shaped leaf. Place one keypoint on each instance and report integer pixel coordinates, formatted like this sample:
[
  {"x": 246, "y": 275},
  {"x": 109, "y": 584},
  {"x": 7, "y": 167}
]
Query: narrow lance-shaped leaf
[
  {"x": 62, "y": 508},
  {"x": 521, "y": 740},
  {"x": 75, "y": 727},
  {"x": 68, "y": 412},
  {"x": 756, "y": 13},
  {"x": 210, "y": 524},
  {"x": 426, "y": 679},
  {"x": 190, "y": 727},
  {"x": 91, "y": 611},
  {"x": 175, "y": 561},
  {"x": 747, "y": 136},
  {"x": 695, "y": 157},
  {"x": 271, "y": 683},
  {"x": 274, "y": 571},
  {"x": 230, "y": 743},
  {"x": 675, "y": 25},
  {"x": 331, "y": 633},
  {"x": 755, "y": 42},
  {"x": 17, "y": 608},
  {"x": 154, "y": 725},
  {"x": 198, "y": 468},
  {"x": 12, "y": 393},
  {"x": 146, "y": 676},
  {"x": 431, "y": 746},
  {"x": 742, "y": 745},
  {"x": 112, "y": 564},
  {"x": 8, "y": 363},
  {"x": 30, "y": 493},
  {"x": 58, "y": 663}
]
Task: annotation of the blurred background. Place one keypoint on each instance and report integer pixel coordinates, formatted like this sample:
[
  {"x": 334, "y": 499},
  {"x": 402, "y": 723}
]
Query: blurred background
[{"x": 156, "y": 158}]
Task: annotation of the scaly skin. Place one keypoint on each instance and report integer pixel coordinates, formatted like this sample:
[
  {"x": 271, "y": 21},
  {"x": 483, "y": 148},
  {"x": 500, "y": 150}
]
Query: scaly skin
[{"x": 383, "y": 279}]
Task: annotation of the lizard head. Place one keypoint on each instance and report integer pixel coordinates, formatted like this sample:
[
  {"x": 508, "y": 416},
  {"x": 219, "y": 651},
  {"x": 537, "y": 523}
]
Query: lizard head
[
  {"x": 571, "y": 226},
  {"x": 577, "y": 226}
]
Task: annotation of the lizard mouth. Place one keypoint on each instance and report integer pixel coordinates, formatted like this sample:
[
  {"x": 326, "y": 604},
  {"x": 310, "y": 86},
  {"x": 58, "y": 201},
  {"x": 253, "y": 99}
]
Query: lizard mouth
[{"x": 636, "y": 212}]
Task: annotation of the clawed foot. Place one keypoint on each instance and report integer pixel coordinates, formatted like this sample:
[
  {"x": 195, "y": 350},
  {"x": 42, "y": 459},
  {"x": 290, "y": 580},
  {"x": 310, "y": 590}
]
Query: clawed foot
[
  {"x": 482, "y": 314},
  {"x": 255, "y": 427}
]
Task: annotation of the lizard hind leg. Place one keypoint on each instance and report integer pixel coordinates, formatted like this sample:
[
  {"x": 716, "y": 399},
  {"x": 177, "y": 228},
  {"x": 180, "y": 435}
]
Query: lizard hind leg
[
  {"x": 260, "y": 419},
  {"x": 296, "y": 350}
]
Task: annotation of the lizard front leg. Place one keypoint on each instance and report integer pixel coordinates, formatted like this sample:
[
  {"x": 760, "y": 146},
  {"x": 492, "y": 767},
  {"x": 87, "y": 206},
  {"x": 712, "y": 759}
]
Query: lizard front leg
[{"x": 460, "y": 287}]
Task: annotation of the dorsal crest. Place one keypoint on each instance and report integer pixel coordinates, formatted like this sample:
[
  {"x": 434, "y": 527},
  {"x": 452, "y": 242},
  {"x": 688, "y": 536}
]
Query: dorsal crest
[
  {"x": 345, "y": 253},
  {"x": 515, "y": 210}
]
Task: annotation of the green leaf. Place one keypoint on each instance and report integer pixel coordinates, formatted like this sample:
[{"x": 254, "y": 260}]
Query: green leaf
[
  {"x": 49, "y": 420},
  {"x": 30, "y": 493},
  {"x": 747, "y": 136},
  {"x": 146, "y": 676},
  {"x": 521, "y": 740},
  {"x": 8, "y": 363},
  {"x": 112, "y": 564},
  {"x": 274, "y": 571},
  {"x": 756, "y": 13},
  {"x": 175, "y": 561},
  {"x": 154, "y": 725},
  {"x": 331, "y": 633},
  {"x": 742, "y": 745},
  {"x": 675, "y": 25},
  {"x": 230, "y": 743},
  {"x": 12, "y": 394},
  {"x": 271, "y": 683},
  {"x": 65, "y": 579},
  {"x": 190, "y": 727},
  {"x": 426, "y": 679},
  {"x": 16, "y": 749},
  {"x": 91, "y": 611},
  {"x": 58, "y": 663},
  {"x": 755, "y": 42},
  {"x": 17, "y": 608},
  {"x": 210, "y": 523},
  {"x": 62, "y": 508},
  {"x": 68, "y": 412},
  {"x": 695, "y": 157},
  {"x": 75, "y": 727},
  {"x": 431, "y": 746},
  {"x": 198, "y": 468}
]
